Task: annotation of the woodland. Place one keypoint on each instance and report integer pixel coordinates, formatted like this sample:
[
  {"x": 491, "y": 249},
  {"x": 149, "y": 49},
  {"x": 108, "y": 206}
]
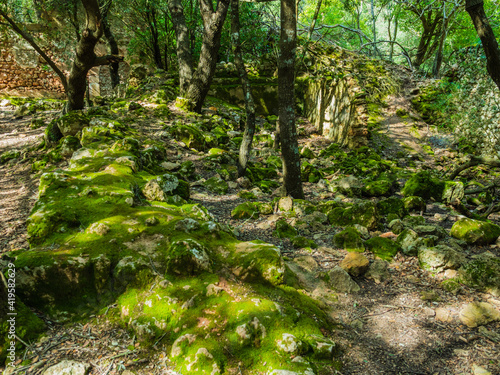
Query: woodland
[{"x": 249, "y": 187}]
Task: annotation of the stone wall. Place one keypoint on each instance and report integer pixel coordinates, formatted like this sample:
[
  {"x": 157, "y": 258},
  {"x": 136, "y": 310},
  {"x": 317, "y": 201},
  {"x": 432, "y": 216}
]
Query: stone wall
[
  {"x": 331, "y": 105},
  {"x": 23, "y": 72}
]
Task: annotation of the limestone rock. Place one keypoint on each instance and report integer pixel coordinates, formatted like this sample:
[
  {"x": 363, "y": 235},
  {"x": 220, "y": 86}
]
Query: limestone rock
[
  {"x": 247, "y": 210},
  {"x": 415, "y": 204},
  {"x": 478, "y": 314},
  {"x": 177, "y": 347},
  {"x": 482, "y": 272},
  {"x": 288, "y": 343},
  {"x": 188, "y": 257},
  {"x": 440, "y": 258},
  {"x": 216, "y": 185},
  {"x": 475, "y": 231},
  {"x": 350, "y": 186},
  {"x": 349, "y": 239},
  {"x": 307, "y": 262},
  {"x": 383, "y": 248},
  {"x": 355, "y": 264},
  {"x": 409, "y": 241},
  {"x": 378, "y": 271},
  {"x": 72, "y": 122},
  {"x": 68, "y": 367},
  {"x": 396, "y": 226},
  {"x": 342, "y": 282},
  {"x": 285, "y": 204}
]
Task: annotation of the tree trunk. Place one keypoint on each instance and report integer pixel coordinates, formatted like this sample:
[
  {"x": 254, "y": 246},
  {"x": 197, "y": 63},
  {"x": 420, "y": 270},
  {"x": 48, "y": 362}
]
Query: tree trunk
[
  {"x": 113, "y": 49},
  {"x": 184, "y": 56},
  {"x": 425, "y": 47},
  {"x": 286, "y": 95},
  {"x": 490, "y": 45},
  {"x": 315, "y": 18},
  {"x": 85, "y": 57},
  {"x": 202, "y": 77},
  {"x": 246, "y": 144}
]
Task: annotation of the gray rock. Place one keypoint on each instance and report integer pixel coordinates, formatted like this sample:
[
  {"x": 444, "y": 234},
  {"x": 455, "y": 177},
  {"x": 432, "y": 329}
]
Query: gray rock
[
  {"x": 67, "y": 367},
  {"x": 342, "y": 282},
  {"x": 440, "y": 258},
  {"x": 378, "y": 271},
  {"x": 478, "y": 314}
]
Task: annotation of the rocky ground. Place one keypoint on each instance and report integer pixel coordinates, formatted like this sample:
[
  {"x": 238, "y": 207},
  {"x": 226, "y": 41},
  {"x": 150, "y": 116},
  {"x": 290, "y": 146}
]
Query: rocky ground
[{"x": 406, "y": 322}]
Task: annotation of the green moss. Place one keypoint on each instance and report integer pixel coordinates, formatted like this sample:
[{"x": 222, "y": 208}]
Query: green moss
[
  {"x": 424, "y": 185},
  {"x": 9, "y": 155},
  {"x": 383, "y": 248},
  {"x": 301, "y": 242},
  {"x": 246, "y": 210},
  {"x": 475, "y": 232},
  {"x": 284, "y": 230},
  {"x": 349, "y": 239},
  {"x": 392, "y": 206}
]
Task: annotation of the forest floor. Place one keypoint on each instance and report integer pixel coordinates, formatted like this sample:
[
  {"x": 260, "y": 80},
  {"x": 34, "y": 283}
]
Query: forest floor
[{"x": 393, "y": 327}]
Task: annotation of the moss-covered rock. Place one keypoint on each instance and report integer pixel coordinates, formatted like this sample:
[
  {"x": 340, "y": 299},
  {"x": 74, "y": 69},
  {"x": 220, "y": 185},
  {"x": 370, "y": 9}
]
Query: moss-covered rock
[
  {"x": 216, "y": 185},
  {"x": 72, "y": 123},
  {"x": 475, "y": 231},
  {"x": 52, "y": 134},
  {"x": 191, "y": 136},
  {"x": 383, "y": 248},
  {"x": 440, "y": 258},
  {"x": 284, "y": 230},
  {"x": 9, "y": 155},
  {"x": 392, "y": 205},
  {"x": 378, "y": 188},
  {"x": 309, "y": 173},
  {"x": 69, "y": 145},
  {"x": 301, "y": 242},
  {"x": 482, "y": 272},
  {"x": 247, "y": 210},
  {"x": 414, "y": 204},
  {"x": 349, "y": 239},
  {"x": 162, "y": 187},
  {"x": 424, "y": 185}
]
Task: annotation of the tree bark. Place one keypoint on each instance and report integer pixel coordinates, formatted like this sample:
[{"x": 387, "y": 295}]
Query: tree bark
[
  {"x": 85, "y": 56},
  {"x": 213, "y": 21},
  {"x": 490, "y": 45},
  {"x": 113, "y": 47},
  {"x": 246, "y": 144},
  {"x": 286, "y": 95},
  {"x": 184, "y": 56}
]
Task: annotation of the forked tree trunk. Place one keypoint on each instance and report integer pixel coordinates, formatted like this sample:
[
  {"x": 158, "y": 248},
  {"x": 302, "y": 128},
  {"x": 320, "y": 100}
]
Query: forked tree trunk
[
  {"x": 490, "y": 45},
  {"x": 246, "y": 144},
  {"x": 113, "y": 48},
  {"x": 286, "y": 95},
  {"x": 213, "y": 21},
  {"x": 85, "y": 56}
]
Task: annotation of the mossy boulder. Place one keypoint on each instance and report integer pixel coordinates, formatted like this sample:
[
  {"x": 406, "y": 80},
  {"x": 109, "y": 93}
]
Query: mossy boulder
[
  {"x": 392, "y": 205},
  {"x": 72, "y": 123},
  {"x": 364, "y": 213},
  {"x": 302, "y": 207},
  {"x": 349, "y": 239},
  {"x": 301, "y": 242},
  {"x": 453, "y": 192},
  {"x": 216, "y": 185},
  {"x": 9, "y": 155},
  {"x": 309, "y": 173},
  {"x": 482, "y": 272},
  {"x": 69, "y": 145},
  {"x": 424, "y": 185},
  {"x": 440, "y": 258},
  {"x": 162, "y": 187},
  {"x": 379, "y": 187},
  {"x": 350, "y": 186},
  {"x": 414, "y": 204},
  {"x": 383, "y": 248},
  {"x": 52, "y": 134},
  {"x": 284, "y": 230},
  {"x": 247, "y": 210},
  {"x": 475, "y": 231},
  {"x": 410, "y": 242},
  {"x": 190, "y": 135}
]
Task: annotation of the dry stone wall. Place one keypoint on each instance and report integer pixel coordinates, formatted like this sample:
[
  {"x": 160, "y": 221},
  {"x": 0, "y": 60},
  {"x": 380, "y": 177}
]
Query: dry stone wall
[{"x": 23, "y": 72}]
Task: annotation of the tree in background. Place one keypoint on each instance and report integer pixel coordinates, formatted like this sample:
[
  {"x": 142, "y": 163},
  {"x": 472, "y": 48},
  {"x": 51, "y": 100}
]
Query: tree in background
[
  {"x": 286, "y": 95},
  {"x": 484, "y": 31}
]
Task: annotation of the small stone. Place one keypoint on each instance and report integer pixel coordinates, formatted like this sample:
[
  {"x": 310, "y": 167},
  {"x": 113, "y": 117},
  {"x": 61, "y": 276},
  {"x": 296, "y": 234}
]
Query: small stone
[
  {"x": 355, "y": 264},
  {"x": 68, "y": 367},
  {"x": 244, "y": 182},
  {"x": 445, "y": 315},
  {"x": 170, "y": 166},
  {"x": 342, "y": 282},
  {"x": 478, "y": 314},
  {"x": 152, "y": 221},
  {"x": 98, "y": 228},
  {"x": 307, "y": 262},
  {"x": 214, "y": 290},
  {"x": 378, "y": 271},
  {"x": 478, "y": 370},
  {"x": 285, "y": 204},
  {"x": 129, "y": 201}
]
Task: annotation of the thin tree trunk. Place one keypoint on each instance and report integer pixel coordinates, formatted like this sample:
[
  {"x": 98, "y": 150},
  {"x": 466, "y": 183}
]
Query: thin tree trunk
[
  {"x": 490, "y": 45},
  {"x": 286, "y": 95},
  {"x": 202, "y": 77},
  {"x": 315, "y": 18},
  {"x": 184, "y": 56},
  {"x": 246, "y": 144},
  {"x": 113, "y": 48}
]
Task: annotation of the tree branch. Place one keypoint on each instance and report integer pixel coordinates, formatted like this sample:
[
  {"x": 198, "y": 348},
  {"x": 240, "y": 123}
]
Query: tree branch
[
  {"x": 107, "y": 59},
  {"x": 474, "y": 160}
]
